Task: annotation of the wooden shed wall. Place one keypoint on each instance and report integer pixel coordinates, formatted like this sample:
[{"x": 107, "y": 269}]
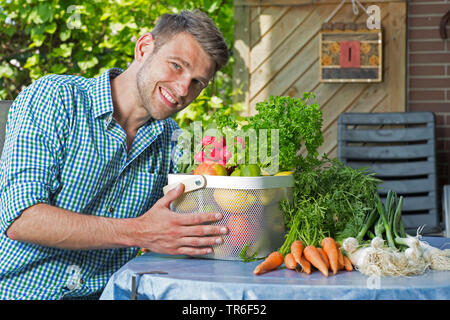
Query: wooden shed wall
[{"x": 277, "y": 53}]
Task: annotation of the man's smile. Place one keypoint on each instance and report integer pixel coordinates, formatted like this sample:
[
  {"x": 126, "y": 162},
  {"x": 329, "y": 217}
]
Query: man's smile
[{"x": 168, "y": 98}]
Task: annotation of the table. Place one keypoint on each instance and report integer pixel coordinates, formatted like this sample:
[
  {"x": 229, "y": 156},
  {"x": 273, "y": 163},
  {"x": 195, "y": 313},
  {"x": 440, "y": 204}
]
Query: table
[{"x": 164, "y": 277}]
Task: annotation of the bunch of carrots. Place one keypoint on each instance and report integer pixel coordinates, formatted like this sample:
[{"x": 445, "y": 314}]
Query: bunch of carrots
[{"x": 327, "y": 257}]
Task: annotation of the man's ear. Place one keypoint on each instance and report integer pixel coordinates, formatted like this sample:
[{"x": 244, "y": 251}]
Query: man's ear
[{"x": 144, "y": 46}]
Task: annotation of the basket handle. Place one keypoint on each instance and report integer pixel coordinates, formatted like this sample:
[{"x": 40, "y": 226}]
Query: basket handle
[{"x": 190, "y": 184}]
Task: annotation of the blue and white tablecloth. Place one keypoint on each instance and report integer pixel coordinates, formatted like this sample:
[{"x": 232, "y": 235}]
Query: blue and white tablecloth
[{"x": 165, "y": 277}]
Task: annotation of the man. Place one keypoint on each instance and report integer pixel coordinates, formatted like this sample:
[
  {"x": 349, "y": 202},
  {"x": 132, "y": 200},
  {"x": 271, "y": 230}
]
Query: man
[{"x": 85, "y": 160}]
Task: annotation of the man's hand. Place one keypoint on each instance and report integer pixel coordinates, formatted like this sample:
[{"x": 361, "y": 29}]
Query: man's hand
[
  {"x": 159, "y": 229},
  {"x": 164, "y": 231}
]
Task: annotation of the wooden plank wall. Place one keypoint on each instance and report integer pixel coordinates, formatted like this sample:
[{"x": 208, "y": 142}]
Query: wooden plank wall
[{"x": 277, "y": 53}]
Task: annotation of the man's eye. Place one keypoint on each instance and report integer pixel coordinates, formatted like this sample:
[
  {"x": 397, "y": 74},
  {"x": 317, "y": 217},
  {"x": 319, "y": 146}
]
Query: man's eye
[
  {"x": 198, "y": 83},
  {"x": 176, "y": 65}
]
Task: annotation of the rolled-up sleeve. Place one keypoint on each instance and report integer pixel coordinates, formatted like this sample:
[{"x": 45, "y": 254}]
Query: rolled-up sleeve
[{"x": 33, "y": 150}]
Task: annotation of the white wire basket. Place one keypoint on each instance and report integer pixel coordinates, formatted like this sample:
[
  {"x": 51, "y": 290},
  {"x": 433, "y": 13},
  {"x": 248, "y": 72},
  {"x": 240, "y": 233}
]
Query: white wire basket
[{"x": 250, "y": 208}]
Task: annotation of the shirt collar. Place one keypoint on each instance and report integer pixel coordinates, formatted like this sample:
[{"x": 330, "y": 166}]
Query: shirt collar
[
  {"x": 101, "y": 92},
  {"x": 102, "y": 99}
]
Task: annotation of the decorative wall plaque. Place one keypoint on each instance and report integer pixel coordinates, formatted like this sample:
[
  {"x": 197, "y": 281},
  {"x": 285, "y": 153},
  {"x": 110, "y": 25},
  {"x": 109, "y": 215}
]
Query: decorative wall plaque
[{"x": 350, "y": 53}]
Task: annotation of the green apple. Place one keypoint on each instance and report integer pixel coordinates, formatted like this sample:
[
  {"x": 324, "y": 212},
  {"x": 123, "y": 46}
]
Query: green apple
[
  {"x": 236, "y": 172},
  {"x": 251, "y": 170}
]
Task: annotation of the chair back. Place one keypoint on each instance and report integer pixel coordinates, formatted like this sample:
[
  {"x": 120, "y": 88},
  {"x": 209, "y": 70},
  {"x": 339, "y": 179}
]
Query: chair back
[{"x": 400, "y": 148}]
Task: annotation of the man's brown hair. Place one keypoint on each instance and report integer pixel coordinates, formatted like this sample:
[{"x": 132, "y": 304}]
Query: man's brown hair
[{"x": 200, "y": 26}]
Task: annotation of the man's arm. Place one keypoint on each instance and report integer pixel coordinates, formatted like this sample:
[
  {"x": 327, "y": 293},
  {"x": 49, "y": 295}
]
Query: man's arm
[
  {"x": 159, "y": 229},
  {"x": 38, "y": 125},
  {"x": 51, "y": 226}
]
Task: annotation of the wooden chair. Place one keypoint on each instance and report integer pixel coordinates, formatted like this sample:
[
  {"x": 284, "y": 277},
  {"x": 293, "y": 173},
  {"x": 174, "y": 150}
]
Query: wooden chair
[
  {"x": 4, "y": 108},
  {"x": 400, "y": 149}
]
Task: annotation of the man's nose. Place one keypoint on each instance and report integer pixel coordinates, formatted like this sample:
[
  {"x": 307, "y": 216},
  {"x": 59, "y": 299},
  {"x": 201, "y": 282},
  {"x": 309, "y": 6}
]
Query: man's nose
[{"x": 182, "y": 87}]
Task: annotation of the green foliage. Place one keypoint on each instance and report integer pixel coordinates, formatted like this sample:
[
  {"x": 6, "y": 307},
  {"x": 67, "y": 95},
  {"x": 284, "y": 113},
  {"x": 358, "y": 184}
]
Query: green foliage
[
  {"x": 87, "y": 37},
  {"x": 246, "y": 257},
  {"x": 210, "y": 109},
  {"x": 299, "y": 122},
  {"x": 329, "y": 200}
]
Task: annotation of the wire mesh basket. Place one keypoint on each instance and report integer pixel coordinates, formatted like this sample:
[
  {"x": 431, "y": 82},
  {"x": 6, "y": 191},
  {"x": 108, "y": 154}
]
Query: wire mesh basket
[{"x": 250, "y": 208}]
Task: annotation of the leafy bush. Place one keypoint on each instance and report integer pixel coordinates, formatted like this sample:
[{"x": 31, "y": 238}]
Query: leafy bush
[{"x": 56, "y": 36}]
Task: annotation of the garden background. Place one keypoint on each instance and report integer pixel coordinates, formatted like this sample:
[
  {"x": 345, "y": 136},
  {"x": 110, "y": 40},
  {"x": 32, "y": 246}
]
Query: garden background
[{"x": 88, "y": 37}]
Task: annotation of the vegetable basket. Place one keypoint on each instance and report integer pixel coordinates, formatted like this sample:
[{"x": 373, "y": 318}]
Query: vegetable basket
[{"x": 250, "y": 208}]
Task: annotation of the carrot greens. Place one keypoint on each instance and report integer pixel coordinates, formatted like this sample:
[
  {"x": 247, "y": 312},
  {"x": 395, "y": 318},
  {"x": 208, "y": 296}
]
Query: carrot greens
[{"x": 329, "y": 200}]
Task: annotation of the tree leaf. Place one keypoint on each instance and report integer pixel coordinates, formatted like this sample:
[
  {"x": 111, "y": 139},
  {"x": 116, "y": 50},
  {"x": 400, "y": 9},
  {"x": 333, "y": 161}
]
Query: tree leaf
[
  {"x": 45, "y": 12},
  {"x": 38, "y": 40},
  {"x": 6, "y": 71},
  {"x": 51, "y": 28},
  {"x": 213, "y": 7},
  {"x": 34, "y": 17},
  {"x": 84, "y": 65},
  {"x": 31, "y": 61},
  {"x": 64, "y": 34},
  {"x": 58, "y": 68},
  {"x": 63, "y": 51}
]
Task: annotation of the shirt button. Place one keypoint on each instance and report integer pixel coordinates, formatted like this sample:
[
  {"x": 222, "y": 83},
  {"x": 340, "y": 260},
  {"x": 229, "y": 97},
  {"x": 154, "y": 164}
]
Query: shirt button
[{"x": 111, "y": 209}]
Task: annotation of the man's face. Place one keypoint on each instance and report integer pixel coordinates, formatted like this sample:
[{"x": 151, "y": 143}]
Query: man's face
[{"x": 173, "y": 76}]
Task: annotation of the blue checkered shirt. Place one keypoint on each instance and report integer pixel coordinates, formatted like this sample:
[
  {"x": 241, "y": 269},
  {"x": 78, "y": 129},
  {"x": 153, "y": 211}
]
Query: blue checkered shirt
[{"x": 64, "y": 148}]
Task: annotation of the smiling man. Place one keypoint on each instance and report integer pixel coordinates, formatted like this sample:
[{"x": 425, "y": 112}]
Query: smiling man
[{"x": 85, "y": 160}]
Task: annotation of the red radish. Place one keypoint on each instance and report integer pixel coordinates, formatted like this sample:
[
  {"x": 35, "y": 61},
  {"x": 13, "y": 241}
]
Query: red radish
[
  {"x": 219, "y": 144},
  {"x": 199, "y": 156},
  {"x": 214, "y": 154},
  {"x": 207, "y": 140},
  {"x": 224, "y": 154}
]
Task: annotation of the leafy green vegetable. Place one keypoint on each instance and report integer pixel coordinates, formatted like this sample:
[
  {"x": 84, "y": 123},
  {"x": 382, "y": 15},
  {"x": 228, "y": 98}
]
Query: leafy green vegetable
[
  {"x": 299, "y": 122},
  {"x": 304, "y": 221},
  {"x": 245, "y": 257},
  {"x": 389, "y": 225},
  {"x": 329, "y": 199}
]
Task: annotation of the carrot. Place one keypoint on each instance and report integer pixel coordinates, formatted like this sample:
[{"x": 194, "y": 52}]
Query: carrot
[
  {"x": 305, "y": 264},
  {"x": 273, "y": 261},
  {"x": 290, "y": 262},
  {"x": 297, "y": 250},
  {"x": 324, "y": 257},
  {"x": 313, "y": 256},
  {"x": 341, "y": 256},
  {"x": 340, "y": 259},
  {"x": 330, "y": 249},
  {"x": 348, "y": 264}
]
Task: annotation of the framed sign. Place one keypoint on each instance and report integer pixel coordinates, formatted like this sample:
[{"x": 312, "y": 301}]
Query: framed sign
[{"x": 350, "y": 55}]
